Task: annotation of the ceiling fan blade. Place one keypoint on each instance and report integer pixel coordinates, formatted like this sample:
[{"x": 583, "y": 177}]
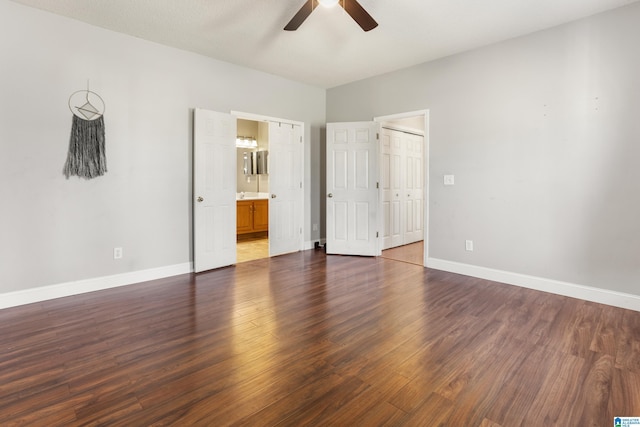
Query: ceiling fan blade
[
  {"x": 302, "y": 14},
  {"x": 361, "y": 16}
]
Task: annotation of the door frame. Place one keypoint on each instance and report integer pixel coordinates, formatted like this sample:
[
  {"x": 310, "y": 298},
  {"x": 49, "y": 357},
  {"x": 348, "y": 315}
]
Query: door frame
[
  {"x": 263, "y": 118},
  {"x": 427, "y": 157}
]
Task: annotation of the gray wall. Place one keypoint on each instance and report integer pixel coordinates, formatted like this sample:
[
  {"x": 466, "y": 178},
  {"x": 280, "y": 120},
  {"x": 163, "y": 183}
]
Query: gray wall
[
  {"x": 54, "y": 230},
  {"x": 542, "y": 134}
]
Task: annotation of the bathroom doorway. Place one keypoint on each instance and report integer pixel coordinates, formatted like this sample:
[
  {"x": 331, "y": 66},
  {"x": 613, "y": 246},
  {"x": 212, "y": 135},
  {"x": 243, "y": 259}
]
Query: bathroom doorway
[
  {"x": 278, "y": 194},
  {"x": 252, "y": 190},
  {"x": 215, "y": 191}
]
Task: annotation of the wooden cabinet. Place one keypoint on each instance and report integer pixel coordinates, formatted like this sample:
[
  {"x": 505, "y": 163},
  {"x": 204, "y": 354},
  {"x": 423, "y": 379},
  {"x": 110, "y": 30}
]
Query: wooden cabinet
[
  {"x": 260, "y": 215},
  {"x": 244, "y": 216},
  {"x": 252, "y": 216}
]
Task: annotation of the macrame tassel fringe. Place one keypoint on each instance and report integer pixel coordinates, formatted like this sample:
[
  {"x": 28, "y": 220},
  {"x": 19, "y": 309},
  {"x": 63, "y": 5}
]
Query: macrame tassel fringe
[{"x": 86, "y": 157}]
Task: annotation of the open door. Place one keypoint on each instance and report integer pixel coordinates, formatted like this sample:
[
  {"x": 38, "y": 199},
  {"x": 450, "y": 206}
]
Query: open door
[
  {"x": 352, "y": 188},
  {"x": 214, "y": 190},
  {"x": 285, "y": 186}
]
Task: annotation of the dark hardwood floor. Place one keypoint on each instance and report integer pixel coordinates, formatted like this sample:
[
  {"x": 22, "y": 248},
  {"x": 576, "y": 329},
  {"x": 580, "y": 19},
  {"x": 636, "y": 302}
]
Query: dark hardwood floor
[
  {"x": 413, "y": 253},
  {"x": 310, "y": 339}
]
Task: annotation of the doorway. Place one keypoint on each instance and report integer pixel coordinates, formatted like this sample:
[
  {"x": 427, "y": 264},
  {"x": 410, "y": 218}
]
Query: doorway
[
  {"x": 215, "y": 190},
  {"x": 403, "y": 166},
  {"x": 278, "y": 207},
  {"x": 252, "y": 190},
  {"x": 354, "y": 202}
]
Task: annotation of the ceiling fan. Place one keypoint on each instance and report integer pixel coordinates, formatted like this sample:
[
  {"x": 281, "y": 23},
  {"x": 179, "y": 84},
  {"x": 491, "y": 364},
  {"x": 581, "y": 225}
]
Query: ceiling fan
[{"x": 352, "y": 7}]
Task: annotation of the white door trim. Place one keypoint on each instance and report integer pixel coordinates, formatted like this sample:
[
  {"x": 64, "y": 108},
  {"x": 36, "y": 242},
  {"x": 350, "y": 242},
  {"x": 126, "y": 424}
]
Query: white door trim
[
  {"x": 262, "y": 118},
  {"x": 427, "y": 158}
]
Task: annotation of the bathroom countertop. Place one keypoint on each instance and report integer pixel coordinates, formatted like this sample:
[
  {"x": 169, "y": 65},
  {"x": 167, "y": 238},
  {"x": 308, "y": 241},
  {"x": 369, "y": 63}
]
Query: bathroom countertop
[{"x": 251, "y": 196}]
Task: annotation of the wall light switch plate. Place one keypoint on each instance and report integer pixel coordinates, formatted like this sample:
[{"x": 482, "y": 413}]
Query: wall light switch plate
[
  {"x": 468, "y": 245},
  {"x": 449, "y": 180}
]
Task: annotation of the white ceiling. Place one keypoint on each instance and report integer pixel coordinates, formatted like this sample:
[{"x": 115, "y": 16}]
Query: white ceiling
[{"x": 329, "y": 49}]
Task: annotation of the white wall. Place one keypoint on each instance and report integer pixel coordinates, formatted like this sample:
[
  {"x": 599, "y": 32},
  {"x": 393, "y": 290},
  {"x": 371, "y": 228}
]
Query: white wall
[
  {"x": 55, "y": 230},
  {"x": 542, "y": 134}
]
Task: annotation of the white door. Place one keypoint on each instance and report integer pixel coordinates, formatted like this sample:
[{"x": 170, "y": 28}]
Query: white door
[
  {"x": 285, "y": 186},
  {"x": 392, "y": 189},
  {"x": 414, "y": 188},
  {"x": 214, "y": 190},
  {"x": 402, "y": 187},
  {"x": 352, "y": 193}
]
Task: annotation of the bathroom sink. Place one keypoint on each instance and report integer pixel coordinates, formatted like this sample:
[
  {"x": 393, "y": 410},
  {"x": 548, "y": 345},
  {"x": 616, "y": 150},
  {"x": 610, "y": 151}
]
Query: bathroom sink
[{"x": 252, "y": 196}]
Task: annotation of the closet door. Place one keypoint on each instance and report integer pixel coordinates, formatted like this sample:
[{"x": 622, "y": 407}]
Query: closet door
[
  {"x": 392, "y": 189},
  {"x": 414, "y": 189},
  {"x": 402, "y": 195}
]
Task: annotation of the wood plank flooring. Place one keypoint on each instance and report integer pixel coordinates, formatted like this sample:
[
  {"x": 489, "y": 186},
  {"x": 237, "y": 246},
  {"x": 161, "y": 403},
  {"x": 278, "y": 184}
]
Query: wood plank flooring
[
  {"x": 412, "y": 253},
  {"x": 311, "y": 339}
]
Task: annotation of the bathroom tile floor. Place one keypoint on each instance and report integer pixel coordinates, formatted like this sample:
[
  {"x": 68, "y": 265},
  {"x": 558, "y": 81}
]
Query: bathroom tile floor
[{"x": 250, "y": 249}]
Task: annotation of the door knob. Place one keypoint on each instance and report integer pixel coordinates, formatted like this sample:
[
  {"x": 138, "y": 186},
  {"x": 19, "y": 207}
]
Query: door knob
[
  {"x": 273, "y": 196},
  {"x": 199, "y": 199},
  {"x": 330, "y": 195}
]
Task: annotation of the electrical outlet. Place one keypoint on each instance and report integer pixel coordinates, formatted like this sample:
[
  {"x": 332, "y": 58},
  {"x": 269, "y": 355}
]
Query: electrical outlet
[
  {"x": 117, "y": 253},
  {"x": 449, "y": 180},
  {"x": 468, "y": 245},
  {"x": 315, "y": 227}
]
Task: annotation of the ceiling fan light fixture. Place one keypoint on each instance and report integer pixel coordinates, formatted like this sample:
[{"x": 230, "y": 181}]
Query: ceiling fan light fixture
[
  {"x": 328, "y": 3},
  {"x": 352, "y": 7}
]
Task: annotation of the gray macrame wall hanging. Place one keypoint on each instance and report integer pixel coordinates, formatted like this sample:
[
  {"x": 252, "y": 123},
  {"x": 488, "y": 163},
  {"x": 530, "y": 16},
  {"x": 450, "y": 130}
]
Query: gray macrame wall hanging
[{"x": 86, "y": 157}]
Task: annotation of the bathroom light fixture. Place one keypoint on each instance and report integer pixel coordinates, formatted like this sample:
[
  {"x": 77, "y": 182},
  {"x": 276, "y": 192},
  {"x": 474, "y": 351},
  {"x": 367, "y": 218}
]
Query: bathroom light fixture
[{"x": 246, "y": 142}]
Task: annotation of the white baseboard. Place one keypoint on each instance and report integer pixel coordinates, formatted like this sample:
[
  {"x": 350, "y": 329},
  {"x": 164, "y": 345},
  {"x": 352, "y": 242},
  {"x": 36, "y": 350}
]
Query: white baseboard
[
  {"x": 602, "y": 296},
  {"x": 28, "y": 296}
]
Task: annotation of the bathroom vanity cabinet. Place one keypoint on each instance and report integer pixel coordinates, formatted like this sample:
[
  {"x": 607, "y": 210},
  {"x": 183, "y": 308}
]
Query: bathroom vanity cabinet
[{"x": 252, "y": 216}]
